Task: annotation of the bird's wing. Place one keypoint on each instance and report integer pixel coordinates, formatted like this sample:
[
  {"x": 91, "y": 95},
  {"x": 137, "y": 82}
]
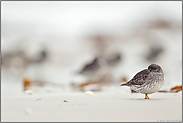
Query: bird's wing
[{"x": 140, "y": 77}]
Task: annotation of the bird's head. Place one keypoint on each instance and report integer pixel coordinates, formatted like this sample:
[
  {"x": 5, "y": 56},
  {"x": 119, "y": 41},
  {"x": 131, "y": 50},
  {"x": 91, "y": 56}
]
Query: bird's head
[{"x": 154, "y": 68}]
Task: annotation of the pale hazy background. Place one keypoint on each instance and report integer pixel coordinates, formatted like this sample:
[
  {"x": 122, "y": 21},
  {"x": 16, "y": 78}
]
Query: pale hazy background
[{"x": 50, "y": 42}]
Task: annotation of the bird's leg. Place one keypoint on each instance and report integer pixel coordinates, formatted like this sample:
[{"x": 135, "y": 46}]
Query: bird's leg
[{"x": 146, "y": 96}]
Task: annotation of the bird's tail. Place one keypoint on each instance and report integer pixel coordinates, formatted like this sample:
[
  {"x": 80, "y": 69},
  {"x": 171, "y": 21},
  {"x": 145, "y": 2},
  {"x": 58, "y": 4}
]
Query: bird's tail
[{"x": 125, "y": 84}]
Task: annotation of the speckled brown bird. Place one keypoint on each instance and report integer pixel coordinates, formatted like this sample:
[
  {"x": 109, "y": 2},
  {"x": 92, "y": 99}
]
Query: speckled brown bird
[{"x": 147, "y": 81}]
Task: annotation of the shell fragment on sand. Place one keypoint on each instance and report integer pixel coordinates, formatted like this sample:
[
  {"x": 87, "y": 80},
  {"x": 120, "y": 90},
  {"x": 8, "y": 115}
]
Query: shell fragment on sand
[
  {"x": 89, "y": 92},
  {"x": 65, "y": 100}
]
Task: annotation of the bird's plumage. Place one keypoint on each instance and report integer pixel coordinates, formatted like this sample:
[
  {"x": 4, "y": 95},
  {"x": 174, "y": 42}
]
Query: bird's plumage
[{"x": 140, "y": 77}]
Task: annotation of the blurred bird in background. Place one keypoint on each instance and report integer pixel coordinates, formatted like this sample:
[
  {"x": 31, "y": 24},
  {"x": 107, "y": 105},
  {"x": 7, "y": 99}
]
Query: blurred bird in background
[
  {"x": 154, "y": 52},
  {"x": 91, "y": 68},
  {"x": 114, "y": 59}
]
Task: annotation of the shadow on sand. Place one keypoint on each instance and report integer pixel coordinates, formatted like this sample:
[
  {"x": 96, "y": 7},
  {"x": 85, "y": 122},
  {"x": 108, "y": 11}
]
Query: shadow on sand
[{"x": 144, "y": 99}]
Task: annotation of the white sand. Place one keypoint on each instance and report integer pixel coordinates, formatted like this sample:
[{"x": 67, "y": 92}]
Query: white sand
[{"x": 104, "y": 107}]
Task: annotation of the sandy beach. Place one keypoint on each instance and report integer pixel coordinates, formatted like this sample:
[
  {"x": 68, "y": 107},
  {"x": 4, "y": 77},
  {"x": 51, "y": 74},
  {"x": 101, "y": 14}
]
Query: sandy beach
[
  {"x": 59, "y": 50},
  {"x": 101, "y": 107}
]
